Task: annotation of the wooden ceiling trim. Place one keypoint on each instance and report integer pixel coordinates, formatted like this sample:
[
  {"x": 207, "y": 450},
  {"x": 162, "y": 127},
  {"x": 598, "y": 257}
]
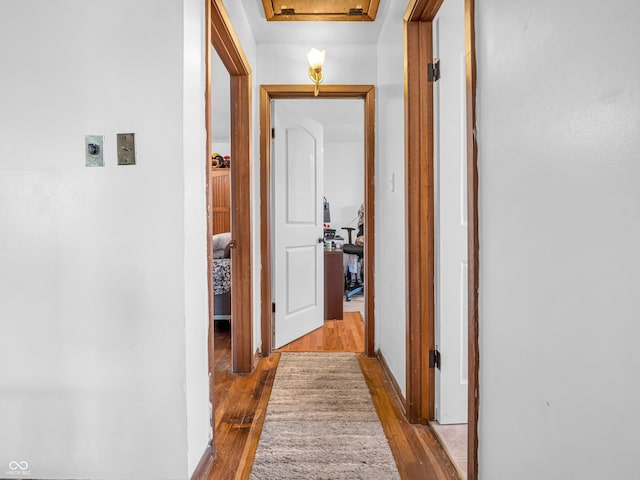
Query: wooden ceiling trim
[
  {"x": 268, "y": 9},
  {"x": 320, "y": 10}
]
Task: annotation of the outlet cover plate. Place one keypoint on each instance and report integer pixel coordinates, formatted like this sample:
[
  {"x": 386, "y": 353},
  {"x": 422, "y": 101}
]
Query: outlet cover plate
[
  {"x": 126, "y": 149},
  {"x": 94, "y": 150}
]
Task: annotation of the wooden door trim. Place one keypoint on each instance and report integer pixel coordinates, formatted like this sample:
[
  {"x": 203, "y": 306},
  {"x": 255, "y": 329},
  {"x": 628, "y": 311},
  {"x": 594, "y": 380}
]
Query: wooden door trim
[
  {"x": 273, "y": 92},
  {"x": 419, "y": 223},
  {"x": 419, "y": 210},
  {"x": 222, "y": 37}
]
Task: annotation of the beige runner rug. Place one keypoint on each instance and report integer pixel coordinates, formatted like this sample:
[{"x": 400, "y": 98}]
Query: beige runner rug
[{"x": 321, "y": 423}]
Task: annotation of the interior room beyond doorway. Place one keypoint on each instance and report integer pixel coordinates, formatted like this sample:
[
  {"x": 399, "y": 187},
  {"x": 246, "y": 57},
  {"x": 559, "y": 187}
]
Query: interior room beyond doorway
[{"x": 336, "y": 204}]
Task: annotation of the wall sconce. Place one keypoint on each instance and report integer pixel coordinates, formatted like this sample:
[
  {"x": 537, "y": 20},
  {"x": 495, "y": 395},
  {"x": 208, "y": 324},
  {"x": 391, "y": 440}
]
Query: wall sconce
[{"x": 316, "y": 59}]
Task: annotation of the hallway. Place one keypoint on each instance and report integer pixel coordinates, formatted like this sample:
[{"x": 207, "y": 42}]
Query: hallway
[
  {"x": 104, "y": 294},
  {"x": 241, "y": 402}
]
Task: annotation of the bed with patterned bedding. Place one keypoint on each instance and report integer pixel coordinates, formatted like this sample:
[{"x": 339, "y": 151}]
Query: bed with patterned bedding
[{"x": 221, "y": 276}]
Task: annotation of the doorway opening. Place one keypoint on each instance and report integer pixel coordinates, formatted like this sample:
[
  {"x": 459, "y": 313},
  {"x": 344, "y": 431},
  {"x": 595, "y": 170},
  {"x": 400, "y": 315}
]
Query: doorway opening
[
  {"x": 221, "y": 37},
  {"x": 318, "y": 215},
  {"x": 269, "y": 93},
  {"x": 450, "y": 232},
  {"x": 430, "y": 143},
  {"x": 220, "y": 220}
]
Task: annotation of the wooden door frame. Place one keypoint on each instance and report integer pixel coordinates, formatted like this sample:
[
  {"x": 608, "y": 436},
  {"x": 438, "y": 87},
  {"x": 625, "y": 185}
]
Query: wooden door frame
[
  {"x": 273, "y": 92},
  {"x": 222, "y": 37},
  {"x": 418, "y": 53}
]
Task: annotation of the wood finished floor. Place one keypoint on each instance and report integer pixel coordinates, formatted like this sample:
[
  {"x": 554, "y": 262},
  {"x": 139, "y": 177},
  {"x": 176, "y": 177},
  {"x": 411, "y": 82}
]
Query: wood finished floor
[
  {"x": 241, "y": 403},
  {"x": 346, "y": 335}
]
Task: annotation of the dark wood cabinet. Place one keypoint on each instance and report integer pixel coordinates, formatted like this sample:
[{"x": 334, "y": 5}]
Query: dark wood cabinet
[
  {"x": 220, "y": 200},
  {"x": 333, "y": 284}
]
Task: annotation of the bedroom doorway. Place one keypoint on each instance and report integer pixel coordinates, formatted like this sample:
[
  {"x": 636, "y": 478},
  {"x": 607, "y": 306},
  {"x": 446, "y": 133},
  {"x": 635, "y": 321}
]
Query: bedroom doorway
[
  {"x": 221, "y": 38},
  {"x": 220, "y": 225},
  {"x": 450, "y": 233},
  {"x": 268, "y": 94},
  {"x": 319, "y": 285}
]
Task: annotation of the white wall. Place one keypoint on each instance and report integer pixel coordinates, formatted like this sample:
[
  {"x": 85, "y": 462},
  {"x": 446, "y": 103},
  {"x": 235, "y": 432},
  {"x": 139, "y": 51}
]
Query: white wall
[
  {"x": 223, "y": 148},
  {"x": 390, "y": 211},
  {"x": 344, "y": 64},
  {"x": 344, "y": 182},
  {"x": 93, "y": 297},
  {"x": 195, "y": 230},
  {"x": 558, "y": 123}
]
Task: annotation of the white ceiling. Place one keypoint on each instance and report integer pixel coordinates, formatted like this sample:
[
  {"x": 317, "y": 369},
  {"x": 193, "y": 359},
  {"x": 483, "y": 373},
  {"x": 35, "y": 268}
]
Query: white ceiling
[
  {"x": 342, "y": 119},
  {"x": 320, "y": 32}
]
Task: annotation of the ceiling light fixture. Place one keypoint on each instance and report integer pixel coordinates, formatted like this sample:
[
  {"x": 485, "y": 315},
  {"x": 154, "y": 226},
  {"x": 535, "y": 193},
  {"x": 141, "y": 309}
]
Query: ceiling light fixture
[{"x": 316, "y": 60}]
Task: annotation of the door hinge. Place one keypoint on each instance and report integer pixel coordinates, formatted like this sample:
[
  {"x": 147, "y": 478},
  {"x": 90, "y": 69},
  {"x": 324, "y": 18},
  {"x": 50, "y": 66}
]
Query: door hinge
[
  {"x": 273, "y": 307},
  {"x": 434, "y": 359},
  {"x": 433, "y": 71},
  {"x": 273, "y": 133},
  {"x": 356, "y": 11}
]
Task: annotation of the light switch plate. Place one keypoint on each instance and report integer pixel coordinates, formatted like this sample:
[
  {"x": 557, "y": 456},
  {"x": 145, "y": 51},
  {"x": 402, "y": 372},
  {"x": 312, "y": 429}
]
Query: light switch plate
[
  {"x": 126, "y": 149},
  {"x": 94, "y": 150}
]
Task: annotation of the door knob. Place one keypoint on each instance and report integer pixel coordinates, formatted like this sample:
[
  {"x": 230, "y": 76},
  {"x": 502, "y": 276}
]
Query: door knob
[
  {"x": 232, "y": 244},
  {"x": 321, "y": 240}
]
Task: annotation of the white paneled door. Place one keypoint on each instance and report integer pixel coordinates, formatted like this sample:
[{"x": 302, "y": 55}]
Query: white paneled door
[
  {"x": 298, "y": 260},
  {"x": 450, "y": 188}
]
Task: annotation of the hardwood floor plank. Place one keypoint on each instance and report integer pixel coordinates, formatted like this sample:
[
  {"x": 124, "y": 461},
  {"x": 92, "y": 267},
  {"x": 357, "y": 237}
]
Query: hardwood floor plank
[
  {"x": 240, "y": 403},
  {"x": 346, "y": 335},
  {"x": 249, "y": 451}
]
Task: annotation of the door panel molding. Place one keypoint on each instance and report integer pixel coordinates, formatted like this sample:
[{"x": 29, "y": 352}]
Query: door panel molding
[
  {"x": 419, "y": 138},
  {"x": 273, "y": 92}
]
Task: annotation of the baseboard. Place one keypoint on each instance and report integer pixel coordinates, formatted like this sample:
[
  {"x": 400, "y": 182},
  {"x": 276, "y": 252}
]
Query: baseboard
[
  {"x": 203, "y": 469},
  {"x": 394, "y": 384}
]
